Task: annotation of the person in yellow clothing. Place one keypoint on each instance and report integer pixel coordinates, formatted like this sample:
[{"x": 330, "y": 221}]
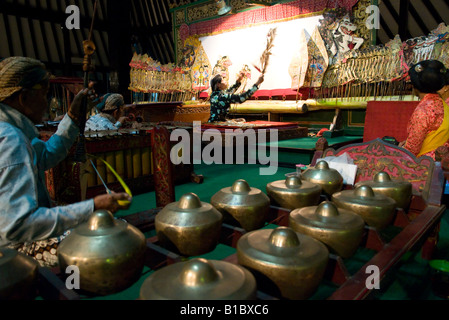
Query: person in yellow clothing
[{"x": 428, "y": 127}]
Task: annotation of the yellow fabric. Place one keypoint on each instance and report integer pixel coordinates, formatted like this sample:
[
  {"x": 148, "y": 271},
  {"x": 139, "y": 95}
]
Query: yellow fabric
[{"x": 437, "y": 137}]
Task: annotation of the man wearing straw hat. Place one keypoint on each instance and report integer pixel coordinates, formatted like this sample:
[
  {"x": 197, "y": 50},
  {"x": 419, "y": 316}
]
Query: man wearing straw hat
[
  {"x": 28, "y": 222},
  {"x": 109, "y": 113}
]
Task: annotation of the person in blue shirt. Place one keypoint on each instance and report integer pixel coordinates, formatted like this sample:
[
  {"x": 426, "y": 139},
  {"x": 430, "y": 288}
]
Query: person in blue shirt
[
  {"x": 28, "y": 222},
  {"x": 109, "y": 114}
]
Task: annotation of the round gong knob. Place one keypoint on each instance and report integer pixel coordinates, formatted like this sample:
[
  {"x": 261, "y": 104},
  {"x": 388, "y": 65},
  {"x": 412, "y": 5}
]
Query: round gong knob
[
  {"x": 100, "y": 219},
  {"x": 240, "y": 187},
  {"x": 189, "y": 201},
  {"x": 364, "y": 192},
  {"x": 327, "y": 209},
  {"x": 322, "y": 165},
  {"x": 382, "y": 177},
  {"x": 293, "y": 182},
  {"x": 198, "y": 272},
  {"x": 284, "y": 237}
]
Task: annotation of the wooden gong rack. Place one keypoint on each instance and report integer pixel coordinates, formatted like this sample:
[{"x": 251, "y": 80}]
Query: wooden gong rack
[{"x": 416, "y": 230}]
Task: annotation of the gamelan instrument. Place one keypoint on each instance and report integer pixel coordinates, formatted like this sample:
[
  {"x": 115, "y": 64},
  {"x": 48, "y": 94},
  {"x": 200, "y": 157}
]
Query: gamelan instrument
[
  {"x": 399, "y": 190},
  {"x": 18, "y": 275},
  {"x": 340, "y": 229},
  {"x": 246, "y": 205},
  {"x": 329, "y": 179},
  {"x": 294, "y": 262},
  {"x": 109, "y": 253},
  {"x": 293, "y": 193},
  {"x": 200, "y": 279},
  {"x": 189, "y": 226},
  {"x": 376, "y": 210}
]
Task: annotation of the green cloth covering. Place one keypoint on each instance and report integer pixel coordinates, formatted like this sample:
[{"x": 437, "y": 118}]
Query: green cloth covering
[{"x": 309, "y": 142}]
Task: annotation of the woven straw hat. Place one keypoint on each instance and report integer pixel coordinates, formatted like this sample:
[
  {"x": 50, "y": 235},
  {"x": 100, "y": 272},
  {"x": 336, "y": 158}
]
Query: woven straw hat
[{"x": 13, "y": 70}]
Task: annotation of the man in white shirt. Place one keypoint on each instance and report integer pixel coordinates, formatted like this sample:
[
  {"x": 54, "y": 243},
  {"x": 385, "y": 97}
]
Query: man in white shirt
[
  {"x": 28, "y": 222},
  {"x": 109, "y": 114}
]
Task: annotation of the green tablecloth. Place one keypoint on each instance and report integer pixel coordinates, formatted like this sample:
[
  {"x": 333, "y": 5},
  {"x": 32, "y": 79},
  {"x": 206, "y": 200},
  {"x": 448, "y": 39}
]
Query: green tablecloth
[{"x": 308, "y": 143}]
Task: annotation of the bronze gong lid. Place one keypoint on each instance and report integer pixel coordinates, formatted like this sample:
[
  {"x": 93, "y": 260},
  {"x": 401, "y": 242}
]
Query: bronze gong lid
[
  {"x": 109, "y": 253},
  {"x": 18, "y": 275},
  {"x": 399, "y": 190},
  {"x": 282, "y": 246},
  {"x": 200, "y": 279},
  {"x": 340, "y": 229},
  {"x": 295, "y": 262},
  {"x": 189, "y": 225},
  {"x": 247, "y": 205},
  {"x": 329, "y": 179},
  {"x": 327, "y": 215},
  {"x": 190, "y": 211},
  {"x": 293, "y": 193},
  {"x": 376, "y": 209}
]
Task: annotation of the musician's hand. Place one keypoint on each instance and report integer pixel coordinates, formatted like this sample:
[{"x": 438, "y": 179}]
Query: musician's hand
[
  {"x": 75, "y": 106},
  {"x": 122, "y": 120},
  {"x": 113, "y": 201}
]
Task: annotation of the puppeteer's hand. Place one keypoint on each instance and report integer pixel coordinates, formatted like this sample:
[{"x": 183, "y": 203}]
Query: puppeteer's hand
[
  {"x": 240, "y": 76},
  {"x": 75, "y": 107}
]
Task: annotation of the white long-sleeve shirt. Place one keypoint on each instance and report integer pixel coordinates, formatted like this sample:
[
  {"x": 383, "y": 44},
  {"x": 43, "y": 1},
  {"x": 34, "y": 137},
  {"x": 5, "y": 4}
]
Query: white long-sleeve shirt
[{"x": 25, "y": 208}]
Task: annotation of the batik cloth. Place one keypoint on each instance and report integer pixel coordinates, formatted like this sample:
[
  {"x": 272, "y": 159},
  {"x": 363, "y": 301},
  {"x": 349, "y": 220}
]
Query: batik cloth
[
  {"x": 427, "y": 117},
  {"x": 101, "y": 121},
  {"x": 220, "y": 101}
]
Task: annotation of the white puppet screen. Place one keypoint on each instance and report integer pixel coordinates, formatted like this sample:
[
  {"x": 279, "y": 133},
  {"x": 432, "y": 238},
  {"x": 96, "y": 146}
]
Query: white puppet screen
[{"x": 245, "y": 46}]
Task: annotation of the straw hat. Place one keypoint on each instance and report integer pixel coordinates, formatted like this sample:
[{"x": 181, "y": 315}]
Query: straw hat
[
  {"x": 113, "y": 101},
  {"x": 17, "y": 73}
]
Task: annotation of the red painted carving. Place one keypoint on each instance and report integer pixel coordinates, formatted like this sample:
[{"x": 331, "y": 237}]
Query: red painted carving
[{"x": 374, "y": 156}]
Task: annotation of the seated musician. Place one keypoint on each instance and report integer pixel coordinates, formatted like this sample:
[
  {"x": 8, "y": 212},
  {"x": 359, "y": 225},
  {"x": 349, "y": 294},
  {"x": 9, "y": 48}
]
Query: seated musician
[
  {"x": 28, "y": 221},
  {"x": 222, "y": 96},
  {"x": 110, "y": 114},
  {"x": 428, "y": 127}
]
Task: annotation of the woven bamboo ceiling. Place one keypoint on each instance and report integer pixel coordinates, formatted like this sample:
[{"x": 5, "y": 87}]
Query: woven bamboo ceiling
[{"x": 36, "y": 28}]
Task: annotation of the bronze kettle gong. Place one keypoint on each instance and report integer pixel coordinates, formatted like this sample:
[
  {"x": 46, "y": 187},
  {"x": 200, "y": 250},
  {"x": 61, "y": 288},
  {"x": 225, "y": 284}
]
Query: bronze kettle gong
[
  {"x": 329, "y": 179},
  {"x": 340, "y": 229},
  {"x": 292, "y": 193},
  {"x": 189, "y": 226},
  {"x": 18, "y": 275},
  {"x": 294, "y": 262},
  {"x": 109, "y": 253},
  {"x": 376, "y": 210},
  {"x": 399, "y": 190},
  {"x": 248, "y": 206},
  {"x": 200, "y": 279}
]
